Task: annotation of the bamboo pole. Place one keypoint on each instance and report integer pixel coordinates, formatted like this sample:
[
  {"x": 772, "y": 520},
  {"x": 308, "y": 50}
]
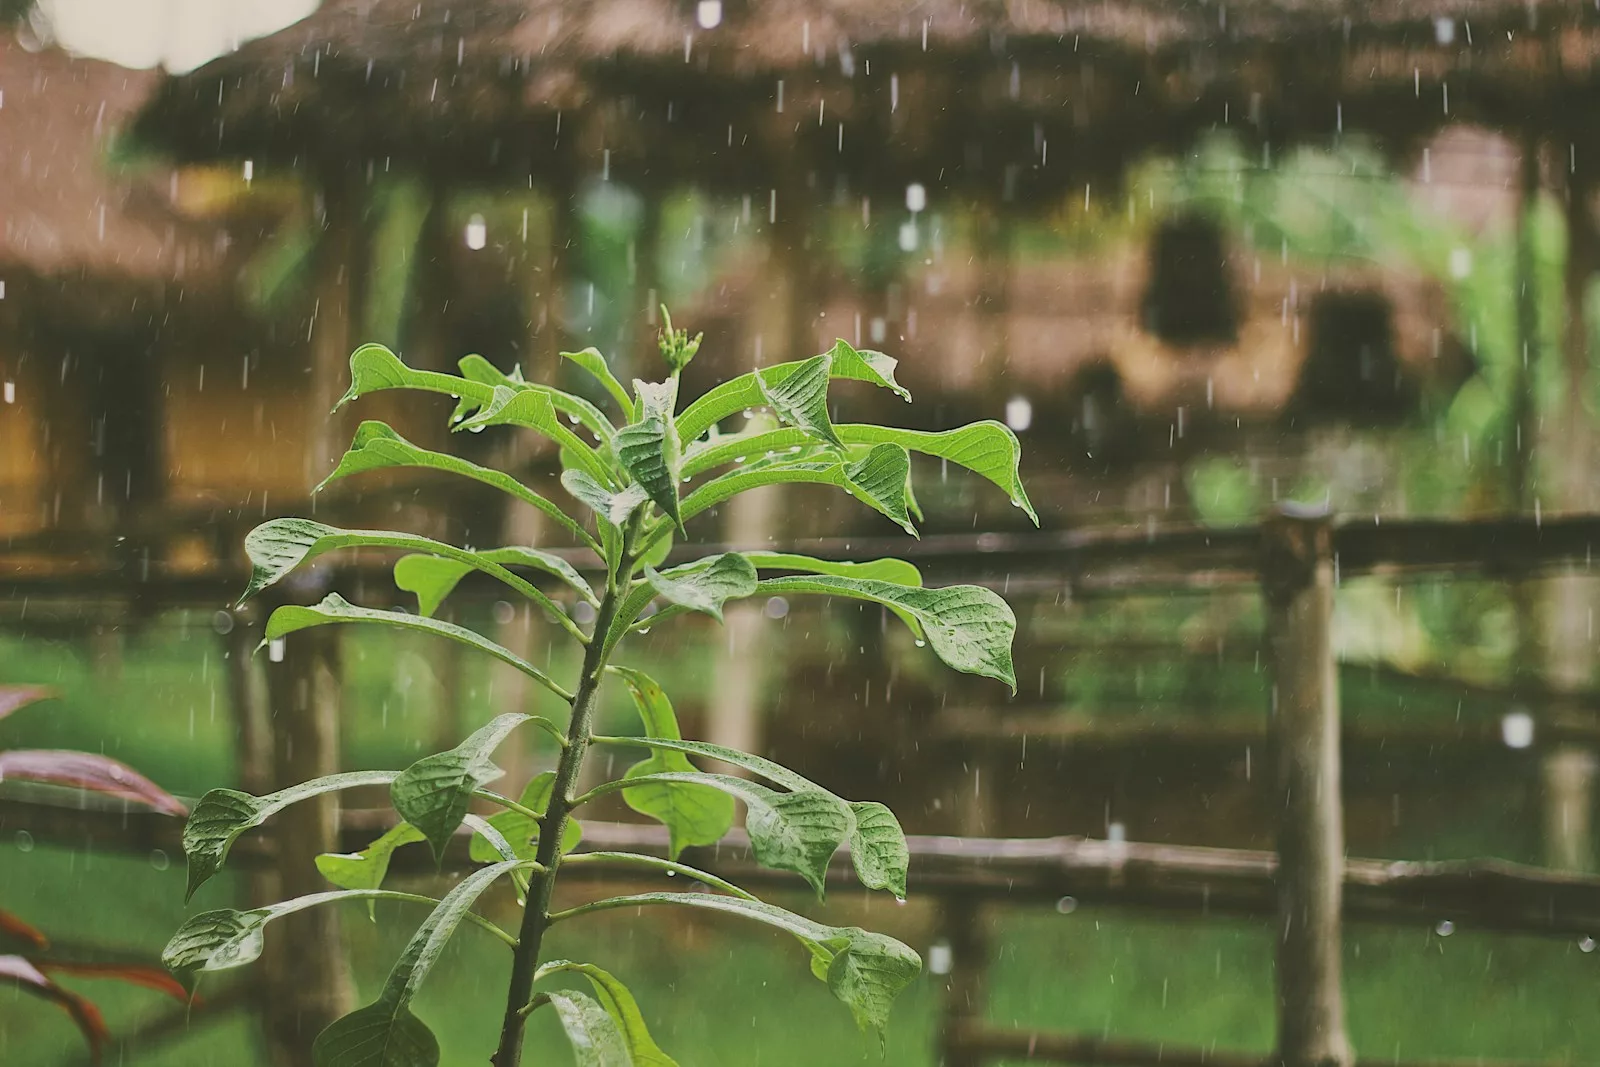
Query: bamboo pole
[{"x": 1297, "y": 578}]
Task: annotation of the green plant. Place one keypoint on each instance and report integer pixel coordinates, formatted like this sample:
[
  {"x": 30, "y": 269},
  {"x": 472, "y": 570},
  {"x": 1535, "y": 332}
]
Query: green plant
[{"x": 633, "y": 480}]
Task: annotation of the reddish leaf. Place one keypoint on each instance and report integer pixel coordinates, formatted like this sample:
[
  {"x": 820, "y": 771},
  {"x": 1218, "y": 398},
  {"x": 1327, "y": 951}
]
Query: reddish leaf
[
  {"x": 15, "y": 932},
  {"x": 13, "y": 697},
  {"x": 140, "y": 974},
  {"x": 26, "y": 976},
  {"x": 85, "y": 770}
]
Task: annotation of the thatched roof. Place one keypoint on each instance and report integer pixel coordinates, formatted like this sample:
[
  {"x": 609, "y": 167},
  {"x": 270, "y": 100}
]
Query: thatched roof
[
  {"x": 1048, "y": 93},
  {"x": 66, "y": 214}
]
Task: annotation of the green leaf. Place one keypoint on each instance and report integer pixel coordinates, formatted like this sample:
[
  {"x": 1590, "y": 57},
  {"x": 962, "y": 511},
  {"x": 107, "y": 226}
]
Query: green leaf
[
  {"x": 522, "y": 832},
  {"x": 618, "y": 1003},
  {"x": 801, "y": 398},
  {"x": 692, "y": 814},
  {"x": 374, "y": 368},
  {"x": 614, "y": 508},
  {"x": 592, "y": 361},
  {"x": 223, "y": 814},
  {"x": 969, "y": 627},
  {"x": 868, "y": 971},
  {"x": 277, "y": 547},
  {"x": 773, "y": 772},
  {"x": 433, "y": 794},
  {"x": 378, "y": 1035},
  {"x": 746, "y": 391},
  {"x": 897, "y": 571},
  {"x": 575, "y": 407},
  {"x": 986, "y": 448},
  {"x": 706, "y": 584},
  {"x": 595, "y": 1037},
  {"x": 336, "y": 610},
  {"x": 863, "y": 969},
  {"x": 368, "y": 868},
  {"x": 432, "y": 578},
  {"x": 386, "y": 1033},
  {"x": 878, "y": 848},
  {"x": 648, "y": 448},
  {"x": 877, "y": 479},
  {"x": 532, "y": 409},
  {"x": 796, "y": 832},
  {"x": 377, "y": 447}
]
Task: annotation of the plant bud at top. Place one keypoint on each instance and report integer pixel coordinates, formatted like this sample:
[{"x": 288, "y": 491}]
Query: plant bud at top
[{"x": 677, "y": 347}]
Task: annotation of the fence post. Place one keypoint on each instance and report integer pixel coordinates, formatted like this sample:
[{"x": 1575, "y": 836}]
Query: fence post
[{"x": 1297, "y": 576}]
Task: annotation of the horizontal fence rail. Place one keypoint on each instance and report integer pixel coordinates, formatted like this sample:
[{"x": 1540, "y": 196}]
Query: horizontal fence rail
[{"x": 1065, "y": 871}]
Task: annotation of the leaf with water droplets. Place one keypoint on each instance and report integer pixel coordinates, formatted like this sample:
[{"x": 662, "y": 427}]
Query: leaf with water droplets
[
  {"x": 969, "y": 627},
  {"x": 878, "y": 848},
  {"x": 706, "y": 584},
  {"x": 433, "y": 794}
]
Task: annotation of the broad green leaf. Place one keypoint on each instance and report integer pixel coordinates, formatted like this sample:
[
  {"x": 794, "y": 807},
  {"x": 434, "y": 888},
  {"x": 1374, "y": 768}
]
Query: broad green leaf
[
  {"x": 592, "y": 361},
  {"x": 878, "y": 848},
  {"x": 706, "y": 584},
  {"x": 618, "y": 1002},
  {"x": 336, "y": 610},
  {"x": 522, "y": 832},
  {"x": 986, "y": 448},
  {"x": 374, "y": 368},
  {"x": 223, "y": 814},
  {"x": 615, "y": 508},
  {"x": 746, "y": 392},
  {"x": 801, "y": 398},
  {"x": 796, "y": 832},
  {"x": 226, "y": 938},
  {"x": 433, "y": 794},
  {"x": 376, "y": 447},
  {"x": 368, "y": 868},
  {"x": 877, "y": 479},
  {"x": 897, "y": 571},
  {"x": 868, "y": 971},
  {"x": 648, "y": 448},
  {"x": 386, "y": 1033},
  {"x": 969, "y": 627},
  {"x": 863, "y": 969},
  {"x": 378, "y": 1035},
  {"x": 574, "y": 407},
  {"x": 595, "y": 1037},
  {"x": 432, "y": 578},
  {"x": 692, "y": 814},
  {"x": 532, "y": 409},
  {"x": 277, "y": 547}
]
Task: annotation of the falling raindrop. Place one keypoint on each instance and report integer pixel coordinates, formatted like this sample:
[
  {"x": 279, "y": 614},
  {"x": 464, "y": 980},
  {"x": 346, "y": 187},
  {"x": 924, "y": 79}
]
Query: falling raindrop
[
  {"x": 1445, "y": 928},
  {"x": 916, "y": 197},
  {"x": 222, "y": 622},
  {"x": 275, "y": 650},
  {"x": 249, "y": 170},
  {"x": 504, "y": 613},
  {"x": 776, "y": 608},
  {"x": 24, "y": 841},
  {"x": 908, "y": 236},
  {"x": 708, "y": 13},
  {"x": 1067, "y": 905},
  {"x": 159, "y": 859},
  {"x": 940, "y": 958},
  {"x": 11, "y": 392},
  {"x": 583, "y": 612},
  {"x": 1586, "y": 944}
]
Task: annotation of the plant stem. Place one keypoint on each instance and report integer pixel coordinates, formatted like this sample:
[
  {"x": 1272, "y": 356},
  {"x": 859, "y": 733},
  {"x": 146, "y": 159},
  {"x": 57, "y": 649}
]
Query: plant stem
[{"x": 535, "y": 915}]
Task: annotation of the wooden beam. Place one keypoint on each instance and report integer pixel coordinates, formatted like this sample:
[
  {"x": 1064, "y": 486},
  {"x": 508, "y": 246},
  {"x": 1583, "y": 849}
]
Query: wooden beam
[
  {"x": 1297, "y": 578},
  {"x": 1474, "y": 894}
]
